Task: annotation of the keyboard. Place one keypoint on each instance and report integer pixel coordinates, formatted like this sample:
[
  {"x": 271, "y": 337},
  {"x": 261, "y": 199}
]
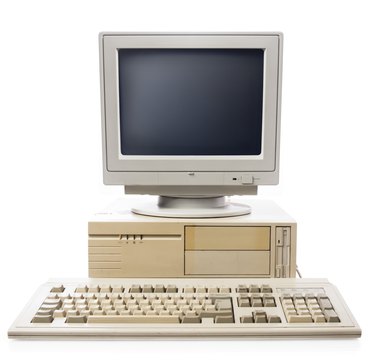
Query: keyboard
[{"x": 186, "y": 308}]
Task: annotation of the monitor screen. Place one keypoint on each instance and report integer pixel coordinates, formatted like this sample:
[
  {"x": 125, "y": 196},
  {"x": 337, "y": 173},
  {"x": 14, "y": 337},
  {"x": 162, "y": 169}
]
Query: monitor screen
[{"x": 190, "y": 101}]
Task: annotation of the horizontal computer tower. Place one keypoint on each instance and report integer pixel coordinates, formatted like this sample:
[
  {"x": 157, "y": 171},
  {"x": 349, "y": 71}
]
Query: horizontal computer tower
[{"x": 125, "y": 244}]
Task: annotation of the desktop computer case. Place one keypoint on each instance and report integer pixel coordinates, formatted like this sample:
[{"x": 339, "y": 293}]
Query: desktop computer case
[{"x": 260, "y": 244}]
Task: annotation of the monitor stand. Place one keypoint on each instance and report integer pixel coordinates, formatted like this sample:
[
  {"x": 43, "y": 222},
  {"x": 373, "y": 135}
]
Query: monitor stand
[{"x": 192, "y": 207}]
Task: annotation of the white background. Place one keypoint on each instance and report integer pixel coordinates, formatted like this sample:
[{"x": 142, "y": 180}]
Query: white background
[{"x": 51, "y": 156}]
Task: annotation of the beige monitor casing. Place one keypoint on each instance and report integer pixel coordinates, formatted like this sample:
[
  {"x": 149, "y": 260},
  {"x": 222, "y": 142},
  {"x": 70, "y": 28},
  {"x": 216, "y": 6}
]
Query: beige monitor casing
[{"x": 179, "y": 175}]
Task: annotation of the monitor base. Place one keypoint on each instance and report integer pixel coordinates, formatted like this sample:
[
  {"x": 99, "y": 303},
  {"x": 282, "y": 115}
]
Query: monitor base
[{"x": 193, "y": 207}]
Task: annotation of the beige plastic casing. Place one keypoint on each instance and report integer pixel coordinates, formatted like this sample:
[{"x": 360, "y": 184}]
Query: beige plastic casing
[
  {"x": 22, "y": 328},
  {"x": 191, "y": 175},
  {"x": 260, "y": 244}
]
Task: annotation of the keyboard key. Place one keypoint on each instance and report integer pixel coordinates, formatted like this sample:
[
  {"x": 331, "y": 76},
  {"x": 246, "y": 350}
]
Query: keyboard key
[
  {"x": 207, "y": 321},
  {"x": 269, "y": 302},
  {"x": 45, "y": 312},
  {"x": 171, "y": 288},
  {"x": 151, "y": 313},
  {"x": 299, "y": 319},
  {"x": 59, "y": 314},
  {"x": 59, "y": 288},
  {"x": 303, "y": 312},
  {"x": 188, "y": 289},
  {"x": 159, "y": 288},
  {"x": 259, "y": 317},
  {"x": 286, "y": 297},
  {"x": 52, "y": 301},
  {"x": 265, "y": 288},
  {"x": 247, "y": 319},
  {"x": 254, "y": 288},
  {"x": 242, "y": 289},
  {"x": 256, "y": 301},
  {"x": 299, "y": 301},
  {"x": 135, "y": 288},
  {"x": 98, "y": 312},
  {"x": 67, "y": 307},
  {"x": 274, "y": 319},
  {"x": 112, "y": 312},
  {"x": 105, "y": 288},
  {"x": 243, "y": 303},
  {"x": 319, "y": 319},
  {"x": 224, "y": 289},
  {"x": 223, "y": 304},
  {"x": 225, "y": 319},
  {"x": 147, "y": 289},
  {"x": 42, "y": 319},
  {"x": 81, "y": 288},
  {"x": 191, "y": 320},
  {"x": 138, "y": 312},
  {"x": 76, "y": 319},
  {"x": 72, "y": 313},
  {"x": 316, "y": 312},
  {"x": 85, "y": 312},
  {"x": 133, "y": 319},
  {"x": 313, "y": 306},
  {"x": 298, "y": 296},
  {"x": 50, "y": 307},
  {"x": 310, "y": 298},
  {"x": 325, "y": 304},
  {"x": 214, "y": 313},
  {"x": 118, "y": 288},
  {"x": 201, "y": 290},
  {"x": 214, "y": 297},
  {"x": 331, "y": 316}
]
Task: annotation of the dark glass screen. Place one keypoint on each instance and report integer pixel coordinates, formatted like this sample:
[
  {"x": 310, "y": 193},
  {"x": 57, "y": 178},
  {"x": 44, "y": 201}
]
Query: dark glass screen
[{"x": 191, "y": 101}]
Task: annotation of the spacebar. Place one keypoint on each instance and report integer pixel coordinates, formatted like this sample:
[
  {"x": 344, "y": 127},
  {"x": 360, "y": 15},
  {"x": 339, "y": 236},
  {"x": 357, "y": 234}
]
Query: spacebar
[{"x": 131, "y": 319}]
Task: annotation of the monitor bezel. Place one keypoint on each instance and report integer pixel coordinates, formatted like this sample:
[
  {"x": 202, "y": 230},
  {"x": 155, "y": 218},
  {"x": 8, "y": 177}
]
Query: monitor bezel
[{"x": 115, "y": 162}]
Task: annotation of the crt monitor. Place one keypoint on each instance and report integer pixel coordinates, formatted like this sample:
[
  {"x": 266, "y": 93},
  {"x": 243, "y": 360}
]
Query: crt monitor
[{"x": 191, "y": 117}]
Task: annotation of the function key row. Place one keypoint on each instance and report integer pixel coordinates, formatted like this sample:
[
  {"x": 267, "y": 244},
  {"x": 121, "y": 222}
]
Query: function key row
[
  {"x": 77, "y": 297},
  {"x": 254, "y": 288},
  {"x": 175, "y": 289},
  {"x": 159, "y": 288},
  {"x": 106, "y": 288},
  {"x": 99, "y": 289}
]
